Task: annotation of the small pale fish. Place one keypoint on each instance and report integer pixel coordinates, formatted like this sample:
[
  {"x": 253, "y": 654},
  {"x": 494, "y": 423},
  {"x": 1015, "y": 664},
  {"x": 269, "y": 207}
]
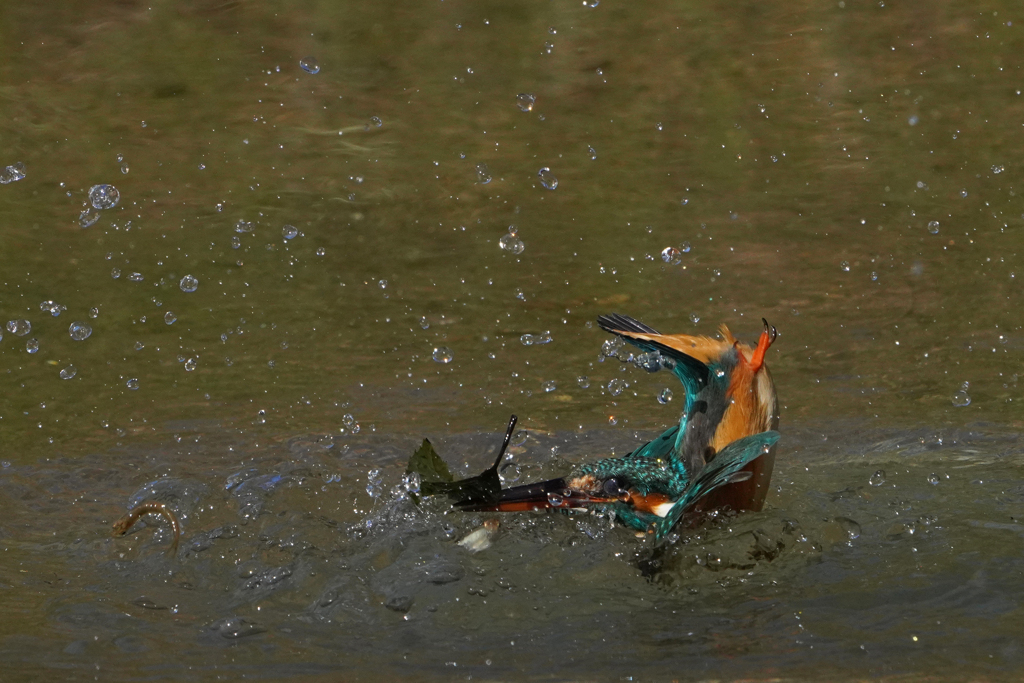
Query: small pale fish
[{"x": 480, "y": 539}]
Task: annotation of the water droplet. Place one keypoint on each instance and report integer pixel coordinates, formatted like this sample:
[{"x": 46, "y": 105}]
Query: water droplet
[
  {"x": 383, "y": 284},
  {"x": 612, "y": 420},
  {"x": 483, "y": 174},
  {"x": 521, "y": 295},
  {"x": 719, "y": 373},
  {"x": 531, "y": 339},
  {"x": 694, "y": 318},
  {"x": 933, "y": 227},
  {"x": 133, "y": 384},
  {"x": 659, "y": 126},
  {"x": 188, "y": 284},
  {"x": 88, "y": 216},
  {"x": 549, "y": 386},
  {"x": 685, "y": 247},
  {"x": 125, "y": 169},
  {"x": 19, "y": 327},
  {"x": 442, "y": 354},
  {"x": 139, "y": 346},
  {"x": 933, "y": 479},
  {"x": 424, "y": 324},
  {"x": 593, "y": 153},
  {"x": 554, "y": 500},
  {"x": 115, "y": 273},
  {"x": 289, "y": 232},
  {"x": 309, "y": 65},
  {"x": 612, "y": 347},
  {"x": 845, "y": 266},
  {"x": 849, "y": 527},
  {"x": 321, "y": 251},
  {"x": 190, "y": 365},
  {"x": 878, "y": 478},
  {"x": 94, "y": 313},
  {"x": 12, "y": 173},
  {"x": 169, "y": 317},
  {"x": 547, "y": 180},
  {"x": 525, "y": 101},
  {"x": 104, "y": 196},
  {"x": 375, "y": 120},
  {"x": 684, "y": 201},
  {"x": 665, "y": 396},
  {"x": 583, "y": 381},
  {"x": 32, "y": 345},
  {"x": 509, "y": 473},
  {"x": 961, "y": 399},
  {"x": 963, "y": 193},
  {"x": 243, "y": 226},
  {"x": 998, "y": 169},
  {"x": 511, "y": 243},
  {"x": 616, "y": 386},
  {"x": 52, "y": 307},
  {"x": 68, "y": 372},
  {"x": 671, "y": 255},
  {"x": 79, "y": 331},
  {"x": 136, "y": 277}
]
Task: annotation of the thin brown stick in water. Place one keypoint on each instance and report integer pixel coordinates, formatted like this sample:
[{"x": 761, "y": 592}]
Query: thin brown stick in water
[{"x": 122, "y": 525}]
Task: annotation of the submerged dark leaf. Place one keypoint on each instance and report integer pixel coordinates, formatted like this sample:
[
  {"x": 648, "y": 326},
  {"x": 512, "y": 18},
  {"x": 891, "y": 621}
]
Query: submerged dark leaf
[{"x": 428, "y": 464}]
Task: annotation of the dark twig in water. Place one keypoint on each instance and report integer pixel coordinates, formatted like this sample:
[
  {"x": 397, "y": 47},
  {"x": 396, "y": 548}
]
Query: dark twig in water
[{"x": 122, "y": 525}]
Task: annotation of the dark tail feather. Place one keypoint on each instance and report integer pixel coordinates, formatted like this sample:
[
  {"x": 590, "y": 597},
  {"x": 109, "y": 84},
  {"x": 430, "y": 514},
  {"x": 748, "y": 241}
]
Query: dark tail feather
[
  {"x": 623, "y": 326},
  {"x": 724, "y": 469}
]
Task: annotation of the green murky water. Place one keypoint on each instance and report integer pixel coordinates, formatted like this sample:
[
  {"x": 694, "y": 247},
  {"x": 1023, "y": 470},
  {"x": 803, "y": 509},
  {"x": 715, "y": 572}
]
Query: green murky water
[{"x": 849, "y": 171}]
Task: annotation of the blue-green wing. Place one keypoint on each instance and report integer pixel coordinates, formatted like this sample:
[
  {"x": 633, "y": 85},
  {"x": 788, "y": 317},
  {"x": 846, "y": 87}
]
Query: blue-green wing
[{"x": 716, "y": 473}]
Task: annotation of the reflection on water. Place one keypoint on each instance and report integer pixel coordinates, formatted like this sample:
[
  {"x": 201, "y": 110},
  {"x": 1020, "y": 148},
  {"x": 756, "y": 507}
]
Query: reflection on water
[{"x": 250, "y": 258}]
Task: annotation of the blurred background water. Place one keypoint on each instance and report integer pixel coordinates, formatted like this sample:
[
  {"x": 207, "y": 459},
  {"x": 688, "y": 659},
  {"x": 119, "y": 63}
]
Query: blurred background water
[{"x": 251, "y": 254}]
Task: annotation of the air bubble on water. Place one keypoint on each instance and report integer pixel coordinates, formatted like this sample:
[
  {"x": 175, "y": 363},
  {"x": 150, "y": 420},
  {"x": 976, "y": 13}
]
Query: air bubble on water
[
  {"x": 616, "y": 386},
  {"x": 88, "y": 217},
  {"x": 243, "y": 225},
  {"x": 612, "y": 347},
  {"x": 104, "y": 196},
  {"x": 68, "y": 372},
  {"x": 190, "y": 365},
  {"x": 649, "y": 361},
  {"x": 665, "y": 396},
  {"x": 547, "y": 180},
  {"x": 136, "y": 277},
  {"x": 878, "y": 478},
  {"x": 933, "y": 227},
  {"x": 998, "y": 169},
  {"x": 511, "y": 243},
  {"x": 442, "y": 354},
  {"x": 133, "y": 384},
  {"x": 849, "y": 527},
  {"x": 289, "y": 232},
  {"x": 79, "y": 331},
  {"x": 845, "y": 266},
  {"x": 19, "y": 328},
  {"x": 962, "y": 399},
  {"x": 525, "y": 101},
  {"x": 32, "y": 345},
  {"x": 309, "y": 65},
  {"x": 189, "y": 284},
  {"x": 483, "y": 174},
  {"x": 933, "y": 479},
  {"x": 549, "y": 386},
  {"x": 12, "y": 173},
  {"x": 169, "y": 317},
  {"x": 694, "y": 318},
  {"x": 115, "y": 273},
  {"x": 583, "y": 381}
]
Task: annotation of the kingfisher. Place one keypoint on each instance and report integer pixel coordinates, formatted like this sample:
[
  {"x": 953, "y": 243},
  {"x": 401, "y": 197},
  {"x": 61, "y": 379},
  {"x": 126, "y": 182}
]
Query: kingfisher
[{"x": 719, "y": 455}]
